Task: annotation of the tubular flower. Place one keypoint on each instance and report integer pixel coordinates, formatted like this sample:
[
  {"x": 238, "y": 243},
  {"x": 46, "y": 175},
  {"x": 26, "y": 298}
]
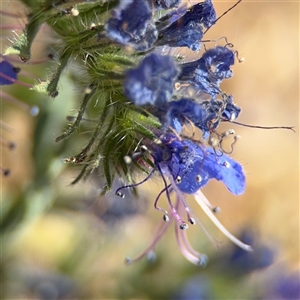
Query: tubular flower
[
  {"x": 138, "y": 96},
  {"x": 185, "y": 166}
]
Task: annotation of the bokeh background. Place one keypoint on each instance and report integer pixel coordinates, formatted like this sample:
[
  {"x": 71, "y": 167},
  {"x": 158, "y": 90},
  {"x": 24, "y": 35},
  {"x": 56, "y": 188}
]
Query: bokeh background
[{"x": 68, "y": 242}]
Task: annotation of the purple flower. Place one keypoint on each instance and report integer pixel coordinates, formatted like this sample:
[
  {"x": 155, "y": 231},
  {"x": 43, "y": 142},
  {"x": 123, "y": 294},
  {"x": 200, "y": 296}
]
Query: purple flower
[
  {"x": 132, "y": 25},
  {"x": 201, "y": 114},
  {"x": 206, "y": 115},
  {"x": 192, "y": 166},
  {"x": 152, "y": 82},
  {"x": 8, "y": 73},
  {"x": 187, "y": 31},
  {"x": 185, "y": 167},
  {"x": 207, "y": 73}
]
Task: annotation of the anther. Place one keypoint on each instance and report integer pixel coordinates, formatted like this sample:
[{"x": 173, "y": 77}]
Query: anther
[
  {"x": 87, "y": 90},
  {"x": 184, "y": 226},
  {"x": 198, "y": 178},
  {"x": 216, "y": 209},
  {"x": 120, "y": 194},
  {"x": 144, "y": 149},
  {"x": 227, "y": 133},
  {"x": 128, "y": 261},
  {"x": 178, "y": 179},
  {"x": 74, "y": 12},
  {"x": 177, "y": 86},
  {"x": 127, "y": 159},
  {"x": 151, "y": 256},
  {"x": 192, "y": 221},
  {"x": 203, "y": 260},
  {"x": 226, "y": 164},
  {"x": 213, "y": 142},
  {"x": 166, "y": 218},
  {"x": 34, "y": 110}
]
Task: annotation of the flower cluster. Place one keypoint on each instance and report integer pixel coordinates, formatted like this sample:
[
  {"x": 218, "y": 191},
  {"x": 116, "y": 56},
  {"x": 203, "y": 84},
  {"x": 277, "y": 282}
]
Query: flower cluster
[{"x": 143, "y": 99}]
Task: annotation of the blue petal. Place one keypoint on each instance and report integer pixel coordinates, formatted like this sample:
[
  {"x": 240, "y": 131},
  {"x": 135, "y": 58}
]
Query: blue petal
[
  {"x": 195, "y": 166},
  {"x": 207, "y": 73},
  {"x": 152, "y": 81},
  {"x": 132, "y": 25},
  {"x": 187, "y": 109},
  {"x": 187, "y": 31},
  {"x": 9, "y": 70},
  {"x": 186, "y": 35},
  {"x": 231, "y": 111},
  {"x": 225, "y": 169}
]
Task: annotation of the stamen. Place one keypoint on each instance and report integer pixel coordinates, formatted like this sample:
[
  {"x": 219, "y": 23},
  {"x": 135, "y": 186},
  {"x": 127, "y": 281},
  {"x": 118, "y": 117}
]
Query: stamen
[
  {"x": 120, "y": 194},
  {"x": 12, "y": 80},
  {"x": 181, "y": 198},
  {"x": 188, "y": 252},
  {"x": 227, "y": 133},
  {"x": 12, "y": 59},
  {"x": 183, "y": 225},
  {"x": 166, "y": 214},
  {"x": 166, "y": 217},
  {"x": 201, "y": 200},
  {"x": 135, "y": 184},
  {"x": 34, "y": 110},
  {"x": 178, "y": 179},
  {"x": 263, "y": 127},
  {"x": 192, "y": 221},
  {"x": 163, "y": 227}
]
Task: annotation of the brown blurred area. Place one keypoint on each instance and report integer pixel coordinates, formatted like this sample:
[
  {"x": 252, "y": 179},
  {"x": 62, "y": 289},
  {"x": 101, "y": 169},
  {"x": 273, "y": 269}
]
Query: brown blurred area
[{"x": 266, "y": 87}]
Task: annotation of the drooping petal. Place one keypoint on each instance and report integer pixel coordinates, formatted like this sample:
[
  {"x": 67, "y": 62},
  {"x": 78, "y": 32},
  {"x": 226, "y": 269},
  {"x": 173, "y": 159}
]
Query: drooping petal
[
  {"x": 207, "y": 73},
  {"x": 192, "y": 166},
  {"x": 225, "y": 169},
  {"x": 132, "y": 25},
  {"x": 187, "y": 31},
  {"x": 187, "y": 110},
  {"x": 152, "y": 82}
]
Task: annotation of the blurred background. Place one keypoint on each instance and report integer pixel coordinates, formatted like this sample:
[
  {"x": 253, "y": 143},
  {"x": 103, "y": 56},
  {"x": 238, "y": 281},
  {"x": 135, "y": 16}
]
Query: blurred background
[{"x": 68, "y": 242}]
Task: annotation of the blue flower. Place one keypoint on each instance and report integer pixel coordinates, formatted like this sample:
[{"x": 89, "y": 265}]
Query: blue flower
[
  {"x": 201, "y": 114},
  {"x": 206, "y": 115},
  {"x": 152, "y": 82},
  {"x": 207, "y": 73},
  {"x": 132, "y": 25},
  {"x": 185, "y": 167},
  {"x": 192, "y": 166},
  {"x": 8, "y": 73},
  {"x": 187, "y": 31}
]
